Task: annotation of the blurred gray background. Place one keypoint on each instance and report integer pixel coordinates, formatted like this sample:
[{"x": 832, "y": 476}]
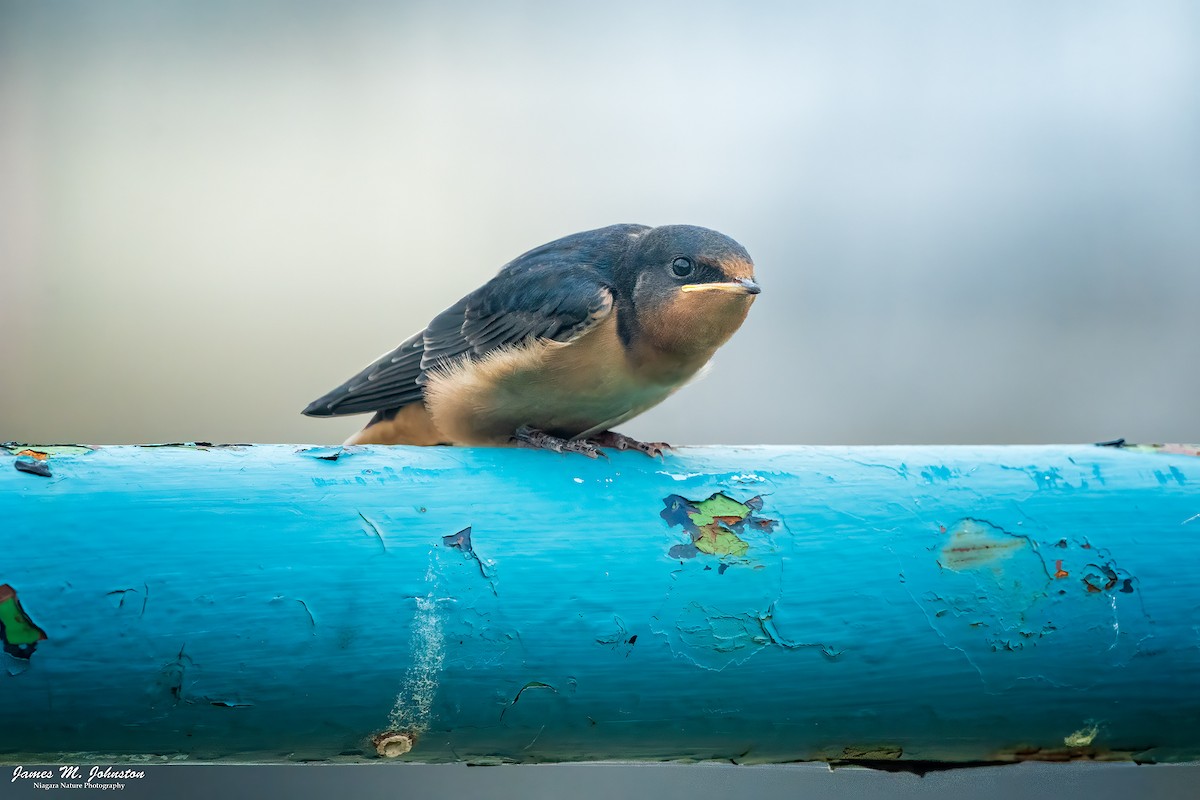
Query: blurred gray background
[{"x": 974, "y": 222}]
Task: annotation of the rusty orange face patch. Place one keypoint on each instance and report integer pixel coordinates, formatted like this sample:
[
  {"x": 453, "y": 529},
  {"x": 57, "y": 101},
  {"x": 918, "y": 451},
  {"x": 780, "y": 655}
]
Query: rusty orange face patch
[{"x": 737, "y": 269}]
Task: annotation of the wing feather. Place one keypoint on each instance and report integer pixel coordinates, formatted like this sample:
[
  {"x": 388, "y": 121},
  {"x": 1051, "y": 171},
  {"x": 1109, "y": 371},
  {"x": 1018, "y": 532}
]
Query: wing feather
[{"x": 556, "y": 292}]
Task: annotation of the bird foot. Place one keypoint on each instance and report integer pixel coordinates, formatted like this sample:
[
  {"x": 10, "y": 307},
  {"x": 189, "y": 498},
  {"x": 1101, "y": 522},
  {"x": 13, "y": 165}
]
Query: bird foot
[
  {"x": 526, "y": 436},
  {"x": 619, "y": 441}
]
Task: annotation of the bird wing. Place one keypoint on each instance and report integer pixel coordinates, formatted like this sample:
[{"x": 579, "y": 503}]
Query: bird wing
[{"x": 542, "y": 295}]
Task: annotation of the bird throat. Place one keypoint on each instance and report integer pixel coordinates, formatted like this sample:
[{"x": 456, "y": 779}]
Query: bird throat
[{"x": 680, "y": 335}]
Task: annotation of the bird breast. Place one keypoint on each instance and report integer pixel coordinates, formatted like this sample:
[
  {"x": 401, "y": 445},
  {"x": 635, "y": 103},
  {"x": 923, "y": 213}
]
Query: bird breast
[{"x": 568, "y": 389}]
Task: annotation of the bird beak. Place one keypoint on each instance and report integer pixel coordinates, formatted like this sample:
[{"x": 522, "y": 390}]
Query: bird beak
[{"x": 740, "y": 286}]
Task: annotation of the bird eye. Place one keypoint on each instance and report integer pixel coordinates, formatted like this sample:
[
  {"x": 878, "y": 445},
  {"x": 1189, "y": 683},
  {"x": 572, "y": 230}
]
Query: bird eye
[{"x": 681, "y": 267}]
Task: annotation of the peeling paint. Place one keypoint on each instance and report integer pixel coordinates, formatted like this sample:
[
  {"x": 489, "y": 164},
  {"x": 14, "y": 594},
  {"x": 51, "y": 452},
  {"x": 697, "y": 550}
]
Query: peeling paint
[
  {"x": 715, "y": 525},
  {"x": 461, "y": 541},
  {"x": 767, "y": 621},
  {"x": 714, "y": 639},
  {"x": 853, "y": 586},
  {"x": 44, "y": 451},
  {"x": 529, "y": 685},
  {"x": 1166, "y": 449},
  {"x": 19, "y": 634},
  {"x": 171, "y": 676},
  {"x": 974, "y": 543},
  {"x": 33, "y": 467},
  {"x": 620, "y": 639},
  {"x": 197, "y": 445},
  {"x": 1101, "y": 578},
  {"x": 328, "y": 453},
  {"x": 121, "y": 598},
  {"x": 374, "y": 529}
]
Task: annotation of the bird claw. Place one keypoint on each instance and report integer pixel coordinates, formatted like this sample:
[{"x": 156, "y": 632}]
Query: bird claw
[
  {"x": 619, "y": 441},
  {"x": 526, "y": 436}
]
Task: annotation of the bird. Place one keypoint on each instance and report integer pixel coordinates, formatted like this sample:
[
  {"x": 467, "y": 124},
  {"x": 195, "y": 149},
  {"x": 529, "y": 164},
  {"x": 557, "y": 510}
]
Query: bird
[{"x": 567, "y": 341}]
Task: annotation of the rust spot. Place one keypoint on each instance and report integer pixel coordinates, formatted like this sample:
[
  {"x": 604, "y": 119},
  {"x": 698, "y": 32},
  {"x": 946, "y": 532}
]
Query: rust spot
[
  {"x": 38, "y": 454},
  {"x": 1059, "y": 572},
  {"x": 974, "y": 543},
  {"x": 392, "y": 744},
  {"x": 1108, "y": 575}
]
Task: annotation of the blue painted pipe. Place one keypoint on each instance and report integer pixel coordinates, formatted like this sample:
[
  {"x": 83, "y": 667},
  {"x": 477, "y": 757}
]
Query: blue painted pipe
[{"x": 893, "y": 604}]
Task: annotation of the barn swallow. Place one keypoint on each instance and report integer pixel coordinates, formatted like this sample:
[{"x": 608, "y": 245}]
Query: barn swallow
[{"x": 566, "y": 342}]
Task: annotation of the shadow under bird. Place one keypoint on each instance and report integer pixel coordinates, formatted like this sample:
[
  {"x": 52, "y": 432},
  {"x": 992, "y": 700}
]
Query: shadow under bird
[{"x": 568, "y": 341}]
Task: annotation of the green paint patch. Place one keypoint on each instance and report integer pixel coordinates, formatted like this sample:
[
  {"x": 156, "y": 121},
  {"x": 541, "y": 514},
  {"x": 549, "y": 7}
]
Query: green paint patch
[
  {"x": 42, "y": 452},
  {"x": 717, "y": 541},
  {"x": 18, "y": 633},
  {"x": 716, "y": 524},
  {"x": 716, "y": 508},
  {"x": 1166, "y": 449}
]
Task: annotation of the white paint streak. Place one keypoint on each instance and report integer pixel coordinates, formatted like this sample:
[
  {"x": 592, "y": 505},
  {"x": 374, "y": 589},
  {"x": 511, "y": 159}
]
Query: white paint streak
[
  {"x": 414, "y": 703},
  {"x": 1192, "y": 518},
  {"x": 677, "y": 477}
]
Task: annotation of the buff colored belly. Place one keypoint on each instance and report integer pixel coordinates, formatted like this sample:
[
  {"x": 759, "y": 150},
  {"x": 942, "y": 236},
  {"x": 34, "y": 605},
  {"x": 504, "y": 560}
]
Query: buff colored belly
[{"x": 568, "y": 390}]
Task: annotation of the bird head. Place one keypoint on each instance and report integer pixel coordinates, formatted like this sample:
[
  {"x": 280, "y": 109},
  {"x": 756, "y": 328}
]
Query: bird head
[{"x": 690, "y": 287}]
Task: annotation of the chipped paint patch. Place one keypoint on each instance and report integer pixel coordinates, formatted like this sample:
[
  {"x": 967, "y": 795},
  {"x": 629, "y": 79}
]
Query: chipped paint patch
[
  {"x": 461, "y": 541},
  {"x": 994, "y": 594},
  {"x": 328, "y": 453},
  {"x": 1166, "y": 449},
  {"x": 767, "y": 620},
  {"x": 19, "y": 635},
  {"x": 393, "y": 744},
  {"x": 974, "y": 543},
  {"x": 33, "y": 467},
  {"x": 721, "y": 637},
  {"x": 1100, "y": 578},
  {"x": 202, "y": 446},
  {"x": 715, "y": 525},
  {"x": 1082, "y": 737}
]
